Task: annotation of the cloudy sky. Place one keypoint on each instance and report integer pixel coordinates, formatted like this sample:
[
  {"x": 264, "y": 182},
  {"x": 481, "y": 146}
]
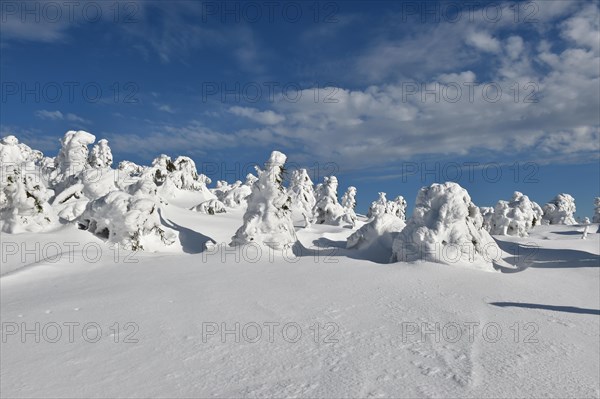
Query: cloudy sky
[{"x": 389, "y": 96}]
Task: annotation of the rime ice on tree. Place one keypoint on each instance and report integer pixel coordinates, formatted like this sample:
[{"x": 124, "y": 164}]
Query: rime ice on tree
[
  {"x": 515, "y": 217},
  {"x": 560, "y": 210}
]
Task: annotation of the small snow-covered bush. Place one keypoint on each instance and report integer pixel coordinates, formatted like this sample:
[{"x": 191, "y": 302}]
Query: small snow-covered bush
[
  {"x": 378, "y": 207},
  {"x": 268, "y": 218},
  {"x": 130, "y": 221},
  {"x": 445, "y": 227},
  {"x": 236, "y": 194},
  {"x": 327, "y": 209},
  {"x": 515, "y": 217},
  {"x": 210, "y": 207},
  {"x": 596, "y": 217},
  {"x": 560, "y": 210},
  {"x": 302, "y": 193}
]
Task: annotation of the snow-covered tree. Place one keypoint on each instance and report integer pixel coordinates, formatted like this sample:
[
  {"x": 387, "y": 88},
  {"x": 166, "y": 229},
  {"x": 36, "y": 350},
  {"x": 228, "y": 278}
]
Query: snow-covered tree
[
  {"x": 72, "y": 158},
  {"x": 378, "y": 207},
  {"x": 327, "y": 209},
  {"x": 131, "y": 221},
  {"x": 302, "y": 194},
  {"x": 101, "y": 155},
  {"x": 349, "y": 203},
  {"x": 515, "y": 217},
  {"x": 445, "y": 227},
  {"x": 268, "y": 218},
  {"x": 236, "y": 194},
  {"x": 379, "y": 231},
  {"x": 487, "y": 213},
  {"x": 560, "y": 210},
  {"x": 23, "y": 193},
  {"x": 596, "y": 217},
  {"x": 397, "y": 207}
]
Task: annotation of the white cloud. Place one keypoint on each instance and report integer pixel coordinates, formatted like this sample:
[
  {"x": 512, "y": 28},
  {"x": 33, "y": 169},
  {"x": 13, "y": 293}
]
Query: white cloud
[
  {"x": 59, "y": 116},
  {"x": 165, "y": 108},
  {"x": 484, "y": 41},
  {"x": 263, "y": 117}
]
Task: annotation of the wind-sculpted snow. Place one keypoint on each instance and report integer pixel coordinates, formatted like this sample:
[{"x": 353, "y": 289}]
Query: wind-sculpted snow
[
  {"x": 210, "y": 207},
  {"x": 268, "y": 218},
  {"x": 515, "y": 217},
  {"x": 380, "y": 230},
  {"x": 560, "y": 210},
  {"x": 446, "y": 227}
]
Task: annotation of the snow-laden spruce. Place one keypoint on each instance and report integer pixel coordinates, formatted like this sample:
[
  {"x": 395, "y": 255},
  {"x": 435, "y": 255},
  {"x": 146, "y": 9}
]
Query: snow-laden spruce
[
  {"x": 131, "y": 221},
  {"x": 349, "y": 203},
  {"x": 23, "y": 194},
  {"x": 596, "y": 217},
  {"x": 327, "y": 209},
  {"x": 268, "y": 218},
  {"x": 302, "y": 194},
  {"x": 515, "y": 217},
  {"x": 446, "y": 227},
  {"x": 101, "y": 155},
  {"x": 560, "y": 210},
  {"x": 397, "y": 207}
]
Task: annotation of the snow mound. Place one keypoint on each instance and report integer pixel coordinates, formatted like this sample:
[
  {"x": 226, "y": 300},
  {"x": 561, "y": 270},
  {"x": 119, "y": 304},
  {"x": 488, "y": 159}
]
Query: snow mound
[
  {"x": 210, "y": 207},
  {"x": 560, "y": 210},
  {"x": 130, "y": 221},
  {"x": 381, "y": 230},
  {"x": 268, "y": 218},
  {"x": 446, "y": 227},
  {"x": 515, "y": 217}
]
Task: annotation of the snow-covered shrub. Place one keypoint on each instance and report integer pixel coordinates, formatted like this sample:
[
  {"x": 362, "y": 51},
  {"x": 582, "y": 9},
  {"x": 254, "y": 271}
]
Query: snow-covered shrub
[
  {"x": 515, "y": 217},
  {"x": 560, "y": 210},
  {"x": 596, "y": 217},
  {"x": 445, "y": 227},
  {"x": 327, "y": 209},
  {"x": 210, "y": 207},
  {"x": 101, "y": 155},
  {"x": 130, "y": 221},
  {"x": 349, "y": 203},
  {"x": 380, "y": 230},
  {"x": 268, "y": 218},
  {"x": 23, "y": 192},
  {"x": 302, "y": 194}
]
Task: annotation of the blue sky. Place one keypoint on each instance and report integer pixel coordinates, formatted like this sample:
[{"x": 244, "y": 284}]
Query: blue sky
[{"x": 389, "y": 96}]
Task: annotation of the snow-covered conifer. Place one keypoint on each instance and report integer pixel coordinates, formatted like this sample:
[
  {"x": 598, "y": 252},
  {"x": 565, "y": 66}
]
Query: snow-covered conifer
[
  {"x": 560, "y": 210},
  {"x": 101, "y": 155},
  {"x": 349, "y": 203},
  {"x": 268, "y": 218},
  {"x": 327, "y": 209},
  {"x": 445, "y": 227},
  {"x": 302, "y": 194},
  {"x": 596, "y": 217},
  {"x": 515, "y": 217}
]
